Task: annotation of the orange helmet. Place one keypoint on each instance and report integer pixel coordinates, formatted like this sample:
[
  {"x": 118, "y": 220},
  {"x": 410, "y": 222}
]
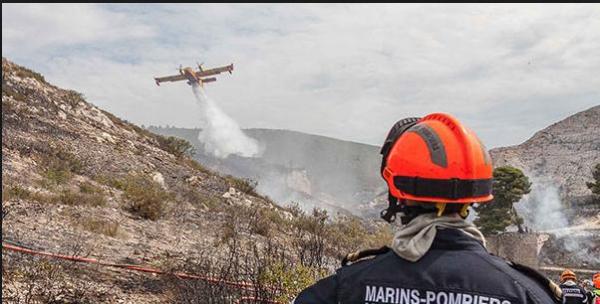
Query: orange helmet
[
  {"x": 567, "y": 275},
  {"x": 596, "y": 280},
  {"x": 436, "y": 159}
]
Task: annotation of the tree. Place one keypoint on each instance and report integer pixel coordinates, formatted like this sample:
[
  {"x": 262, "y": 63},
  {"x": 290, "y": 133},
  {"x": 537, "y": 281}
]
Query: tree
[
  {"x": 595, "y": 186},
  {"x": 509, "y": 186}
]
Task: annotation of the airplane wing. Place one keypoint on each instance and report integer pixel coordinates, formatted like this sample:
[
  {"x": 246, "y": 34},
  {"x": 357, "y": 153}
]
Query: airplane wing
[
  {"x": 169, "y": 78},
  {"x": 211, "y": 79},
  {"x": 215, "y": 71}
]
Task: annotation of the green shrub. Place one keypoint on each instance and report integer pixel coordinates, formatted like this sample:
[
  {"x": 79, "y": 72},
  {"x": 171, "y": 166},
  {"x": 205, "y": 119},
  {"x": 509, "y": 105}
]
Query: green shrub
[
  {"x": 27, "y": 73},
  {"x": 261, "y": 224},
  {"x": 14, "y": 192},
  {"x": 349, "y": 234},
  {"x": 17, "y": 192},
  {"x": 108, "y": 228},
  {"x": 254, "y": 219},
  {"x": 56, "y": 176},
  {"x": 245, "y": 185},
  {"x": 274, "y": 215},
  {"x": 290, "y": 278},
  {"x": 73, "y": 98},
  {"x": 212, "y": 202},
  {"x": 72, "y": 198},
  {"x": 594, "y": 185},
  {"x": 112, "y": 182},
  {"x": 196, "y": 197},
  {"x": 197, "y": 166},
  {"x": 10, "y": 91},
  {"x": 66, "y": 197},
  {"x": 59, "y": 167},
  {"x": 176, "y": 146},
  {"x": 146, "y": 198},
  {"x": 263, "y": 221},
  {"x": 89, "y": 188}
]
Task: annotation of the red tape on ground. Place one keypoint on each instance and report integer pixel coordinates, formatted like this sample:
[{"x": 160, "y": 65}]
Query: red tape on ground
[{"x": 240, "y": 285}]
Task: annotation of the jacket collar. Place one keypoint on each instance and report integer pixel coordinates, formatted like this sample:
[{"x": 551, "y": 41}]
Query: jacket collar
[{"x": 454, "y": 239}]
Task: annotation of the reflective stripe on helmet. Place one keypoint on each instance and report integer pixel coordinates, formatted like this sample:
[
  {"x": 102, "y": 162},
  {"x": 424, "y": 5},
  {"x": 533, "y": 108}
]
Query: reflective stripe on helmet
[
  {"x": 486, "y": 156},
  {"x": 437, "y": 152}
]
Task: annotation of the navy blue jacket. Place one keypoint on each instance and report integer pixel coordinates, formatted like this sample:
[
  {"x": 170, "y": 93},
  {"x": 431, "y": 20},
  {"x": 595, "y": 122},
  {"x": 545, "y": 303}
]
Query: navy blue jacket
[
  {"x": 456, "y": 270},
  {"x": 574, "y": 294}
]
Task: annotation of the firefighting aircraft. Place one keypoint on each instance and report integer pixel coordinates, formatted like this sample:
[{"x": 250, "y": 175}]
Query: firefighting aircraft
[{"x": 193, "y": 76}]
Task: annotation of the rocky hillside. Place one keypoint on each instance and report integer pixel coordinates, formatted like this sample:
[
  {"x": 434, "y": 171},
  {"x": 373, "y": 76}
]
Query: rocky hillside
[
  {"x": 561, "y": 155},
  {"x": 310, "y": 169},
  {"x": 564, "y": 152},
  {"x": 77, "y": 180}
]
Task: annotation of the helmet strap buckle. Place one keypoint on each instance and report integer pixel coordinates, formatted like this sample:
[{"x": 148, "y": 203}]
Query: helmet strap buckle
[
  {"x": 415, "y": 185},
  {"x": 454, "y": 194},
  {"x": 408, "y": 212},
  {"x": 440, "y": 208},
  {"x": 464, "y": 211},
  {"x": 389, "y": 214}
]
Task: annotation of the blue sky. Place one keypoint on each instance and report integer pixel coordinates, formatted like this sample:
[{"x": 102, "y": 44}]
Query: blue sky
[{"x": 346, "y": 71}]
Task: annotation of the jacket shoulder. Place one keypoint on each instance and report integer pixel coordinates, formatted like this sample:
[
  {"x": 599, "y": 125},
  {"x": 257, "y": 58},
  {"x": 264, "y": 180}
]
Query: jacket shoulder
[
  {"x": 363, "y": 255},
  {"x": 548, "y": 286},
  {"x": 537, "y": 286},
  {"x": 324, "y": 291}
]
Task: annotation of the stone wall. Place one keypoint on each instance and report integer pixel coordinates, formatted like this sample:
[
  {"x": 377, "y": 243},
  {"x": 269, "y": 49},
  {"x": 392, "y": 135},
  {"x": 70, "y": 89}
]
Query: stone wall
[{"x": 522, "y": 248}]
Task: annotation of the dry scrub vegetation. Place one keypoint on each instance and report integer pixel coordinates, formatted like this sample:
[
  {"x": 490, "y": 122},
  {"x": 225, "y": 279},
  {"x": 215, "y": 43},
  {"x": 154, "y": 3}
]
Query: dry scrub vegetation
[
  {"x": 277, "y": 268},
  {"x": 279, "y": 250},
  {"x": 71, "y": 169}
]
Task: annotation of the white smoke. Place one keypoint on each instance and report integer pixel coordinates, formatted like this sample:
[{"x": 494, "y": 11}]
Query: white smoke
[
  {"x": 220, "y": 134},
  {"x": 542, "y": 209}
]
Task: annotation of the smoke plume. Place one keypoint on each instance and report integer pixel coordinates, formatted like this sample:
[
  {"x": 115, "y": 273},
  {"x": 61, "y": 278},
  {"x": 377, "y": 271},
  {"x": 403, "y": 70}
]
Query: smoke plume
[
  {"x": 220, "y": 134},
  {"x": 544, "y": 211}
]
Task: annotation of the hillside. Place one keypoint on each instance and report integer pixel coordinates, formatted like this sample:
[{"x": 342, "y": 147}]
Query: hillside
[
  {"x": 561, "y": 156},
  {"x": 76, "y": 180},
  {"x": 343, "y": 176},
  {"x": 294, "y": 166}
]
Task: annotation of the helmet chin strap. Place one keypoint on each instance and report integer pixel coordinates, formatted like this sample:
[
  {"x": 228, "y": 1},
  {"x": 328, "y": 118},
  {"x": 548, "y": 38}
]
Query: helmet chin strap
[
  {"x": 389, "y": 214},
  {"x": 407, "y": 213}
]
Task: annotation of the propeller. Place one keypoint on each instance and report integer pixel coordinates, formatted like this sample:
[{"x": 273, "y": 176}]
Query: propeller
[{"x": 199, "y": 65}]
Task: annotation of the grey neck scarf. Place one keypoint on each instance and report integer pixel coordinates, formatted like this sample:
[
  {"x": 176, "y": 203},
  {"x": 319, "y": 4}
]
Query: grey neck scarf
[{"x": 413, "y": 240}]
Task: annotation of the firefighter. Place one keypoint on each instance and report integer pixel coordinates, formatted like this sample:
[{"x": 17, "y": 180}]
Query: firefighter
[
  {"x": 435, "y": 168},
  {"x": 572, "y": 293},
  {"x": 596, "y": 288}
]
